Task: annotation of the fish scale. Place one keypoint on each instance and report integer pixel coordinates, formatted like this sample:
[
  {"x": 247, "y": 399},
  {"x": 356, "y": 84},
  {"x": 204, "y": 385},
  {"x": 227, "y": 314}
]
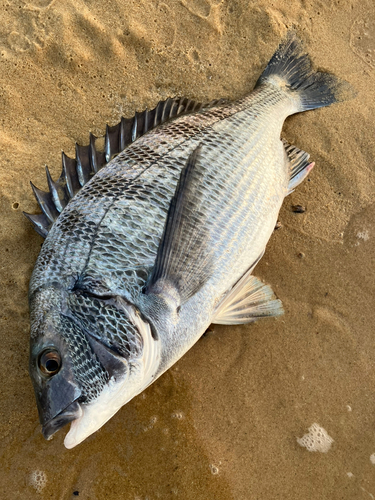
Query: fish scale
[
  {"x": 137, "y": 159},
  {"x": 161, "y": 241},
  {"x": 133, "y": 211}
]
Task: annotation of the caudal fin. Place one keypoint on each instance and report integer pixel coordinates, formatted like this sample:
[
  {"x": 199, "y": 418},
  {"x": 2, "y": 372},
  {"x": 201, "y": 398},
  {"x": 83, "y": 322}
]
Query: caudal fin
[{"x": 290, "y": 69}]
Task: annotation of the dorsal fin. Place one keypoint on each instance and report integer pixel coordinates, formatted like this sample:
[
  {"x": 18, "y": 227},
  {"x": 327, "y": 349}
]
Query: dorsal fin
[{"x": 89, "y": 160}]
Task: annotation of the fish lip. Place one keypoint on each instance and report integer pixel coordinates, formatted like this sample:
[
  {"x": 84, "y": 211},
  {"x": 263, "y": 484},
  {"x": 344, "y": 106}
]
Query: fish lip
[{"x": 71, "y": 413}]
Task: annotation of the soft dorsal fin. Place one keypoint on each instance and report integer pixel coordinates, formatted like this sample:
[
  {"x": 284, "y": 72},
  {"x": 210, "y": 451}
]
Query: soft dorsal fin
[
  {"x": 298, "y": 163},
  {"x": 76, "y": 172},
  {"x": 183, "y": 263},
  {"x": 247, "y": 301}
]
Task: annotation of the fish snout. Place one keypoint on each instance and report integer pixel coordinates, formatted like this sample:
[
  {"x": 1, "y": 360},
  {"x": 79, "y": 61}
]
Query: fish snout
[{"x": 72, "y": 412}]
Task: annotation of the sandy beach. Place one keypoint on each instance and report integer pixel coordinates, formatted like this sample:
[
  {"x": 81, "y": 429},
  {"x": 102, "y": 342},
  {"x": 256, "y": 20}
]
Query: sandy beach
[{"x": 223, "y": 423}]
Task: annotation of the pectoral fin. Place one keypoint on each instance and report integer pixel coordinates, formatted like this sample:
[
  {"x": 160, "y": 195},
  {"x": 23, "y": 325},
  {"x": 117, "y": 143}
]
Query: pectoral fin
[
  {"x": 184, "y": 260},
  {"x": 247, "y": 301}
]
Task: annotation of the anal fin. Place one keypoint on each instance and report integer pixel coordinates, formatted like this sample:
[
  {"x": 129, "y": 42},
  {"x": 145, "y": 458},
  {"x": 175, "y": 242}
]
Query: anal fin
[
  {"x": 247, "y": 301},
  {"x": 299, "y": 165}
]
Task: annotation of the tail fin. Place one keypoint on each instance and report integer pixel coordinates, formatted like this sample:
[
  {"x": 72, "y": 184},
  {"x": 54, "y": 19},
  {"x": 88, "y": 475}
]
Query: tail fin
[{"x": 290, "y": 68}]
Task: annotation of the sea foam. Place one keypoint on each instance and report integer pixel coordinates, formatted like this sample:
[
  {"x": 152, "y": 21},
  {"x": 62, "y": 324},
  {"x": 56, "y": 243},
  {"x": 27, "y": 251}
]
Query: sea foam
[
  {"x": 317, "y": 439},
  {"x": 38, "y": 479}
]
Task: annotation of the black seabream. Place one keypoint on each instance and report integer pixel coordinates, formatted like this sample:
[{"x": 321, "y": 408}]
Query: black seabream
[{"x": 156, "y": 237}]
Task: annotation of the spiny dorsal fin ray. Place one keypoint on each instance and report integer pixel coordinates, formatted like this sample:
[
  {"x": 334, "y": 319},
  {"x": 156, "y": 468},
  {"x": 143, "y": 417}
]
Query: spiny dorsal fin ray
[
  {"x": 83, "y": 164},
  {"x": 97, "y": 158},
  {"x": 247, "y": 301},
  {"x": 299, "y": 165},
  {"x": 40, "y": 222},
  {"x": 69, "y": 175},
  {"x": 60, "y": 196},
  {"x": 89, "y": 160},
  {"x": 184, "y": 260},
  {"x": 46, "y": 203}
]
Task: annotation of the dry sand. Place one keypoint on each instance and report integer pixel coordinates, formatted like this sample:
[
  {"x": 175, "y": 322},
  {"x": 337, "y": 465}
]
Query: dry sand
[{"x": 223, "y": 423}]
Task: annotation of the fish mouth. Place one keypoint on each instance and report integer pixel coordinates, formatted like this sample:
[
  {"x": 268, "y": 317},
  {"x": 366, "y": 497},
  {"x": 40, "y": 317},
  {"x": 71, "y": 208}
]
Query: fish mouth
[{"x": 71, "y": 413}]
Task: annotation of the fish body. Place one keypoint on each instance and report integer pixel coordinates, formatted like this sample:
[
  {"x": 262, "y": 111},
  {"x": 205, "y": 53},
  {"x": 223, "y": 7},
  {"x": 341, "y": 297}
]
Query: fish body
[{"x": 161, "y": 242}]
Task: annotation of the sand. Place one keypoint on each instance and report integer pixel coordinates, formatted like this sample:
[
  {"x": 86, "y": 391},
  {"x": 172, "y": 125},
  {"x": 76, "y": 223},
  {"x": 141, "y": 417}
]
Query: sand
[{"x": 222, "y": 423}]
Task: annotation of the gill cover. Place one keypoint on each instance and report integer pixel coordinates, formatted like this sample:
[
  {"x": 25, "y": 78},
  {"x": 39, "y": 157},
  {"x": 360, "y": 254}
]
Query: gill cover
[{"x": 140, "y": 372}]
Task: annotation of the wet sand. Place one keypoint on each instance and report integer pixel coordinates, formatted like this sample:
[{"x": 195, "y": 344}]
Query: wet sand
[{"x": 222, "y": 423}]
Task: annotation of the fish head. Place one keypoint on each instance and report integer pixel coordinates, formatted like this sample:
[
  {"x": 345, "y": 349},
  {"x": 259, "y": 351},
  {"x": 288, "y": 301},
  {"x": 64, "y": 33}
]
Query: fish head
[
  {"x": 63, "y": 366},
  {"x": 88, "y": 357}
]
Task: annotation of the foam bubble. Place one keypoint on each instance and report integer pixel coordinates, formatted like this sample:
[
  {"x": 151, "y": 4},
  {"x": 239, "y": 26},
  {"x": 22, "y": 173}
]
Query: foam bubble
[
  {"x": 38, "y": 479},
  {"x": 363, "y": 235},
  {"x": 178, "y": 414},
  {"x": 214, "y": 469},
  {"x": 316, "y": 440},
  {"x": 153, "y": 421}
]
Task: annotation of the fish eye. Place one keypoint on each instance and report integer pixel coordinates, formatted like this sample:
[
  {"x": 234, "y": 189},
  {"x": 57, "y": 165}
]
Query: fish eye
[{"x": 49, "y": 362}]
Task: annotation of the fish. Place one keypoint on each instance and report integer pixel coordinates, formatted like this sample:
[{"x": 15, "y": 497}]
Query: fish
[{"x": 155, "y": 237}]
